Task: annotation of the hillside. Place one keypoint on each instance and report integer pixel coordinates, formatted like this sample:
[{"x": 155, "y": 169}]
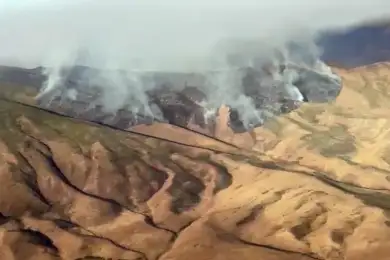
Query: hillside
[
  {"x": 313, "y": 185},
  {"x": 180, "y": 99}
]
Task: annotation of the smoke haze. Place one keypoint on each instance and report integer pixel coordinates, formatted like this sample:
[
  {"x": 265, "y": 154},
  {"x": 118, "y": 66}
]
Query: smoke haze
[
  {"x": 214, "y": 38},
  {"x": 152, "y": 34}
]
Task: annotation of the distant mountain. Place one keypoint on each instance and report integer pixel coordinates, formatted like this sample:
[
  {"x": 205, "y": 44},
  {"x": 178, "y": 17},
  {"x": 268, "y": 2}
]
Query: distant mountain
[
  {"x": 359, "y": 46},
  {"x": 21, "y": 76}
]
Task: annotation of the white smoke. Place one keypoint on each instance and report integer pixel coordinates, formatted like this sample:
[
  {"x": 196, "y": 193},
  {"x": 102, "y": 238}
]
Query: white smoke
[{"x": 211, "y": 37}]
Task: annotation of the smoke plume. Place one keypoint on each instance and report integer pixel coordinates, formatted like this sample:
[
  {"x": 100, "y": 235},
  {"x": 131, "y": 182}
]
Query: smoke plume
[{"x": 222, "y": 44}]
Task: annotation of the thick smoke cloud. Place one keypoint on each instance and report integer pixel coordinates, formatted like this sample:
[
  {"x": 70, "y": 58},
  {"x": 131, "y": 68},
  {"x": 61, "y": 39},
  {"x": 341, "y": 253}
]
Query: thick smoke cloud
[
  {"x": 127, "y": 40},
  {"x": 160, "y": 34}
]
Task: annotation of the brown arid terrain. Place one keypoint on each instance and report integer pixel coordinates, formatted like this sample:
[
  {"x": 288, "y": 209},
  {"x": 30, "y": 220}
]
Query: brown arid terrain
[{"x": 311, "y": 184}]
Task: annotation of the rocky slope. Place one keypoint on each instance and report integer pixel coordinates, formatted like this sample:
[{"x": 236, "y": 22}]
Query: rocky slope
[{"x": 312, "y": 184}]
